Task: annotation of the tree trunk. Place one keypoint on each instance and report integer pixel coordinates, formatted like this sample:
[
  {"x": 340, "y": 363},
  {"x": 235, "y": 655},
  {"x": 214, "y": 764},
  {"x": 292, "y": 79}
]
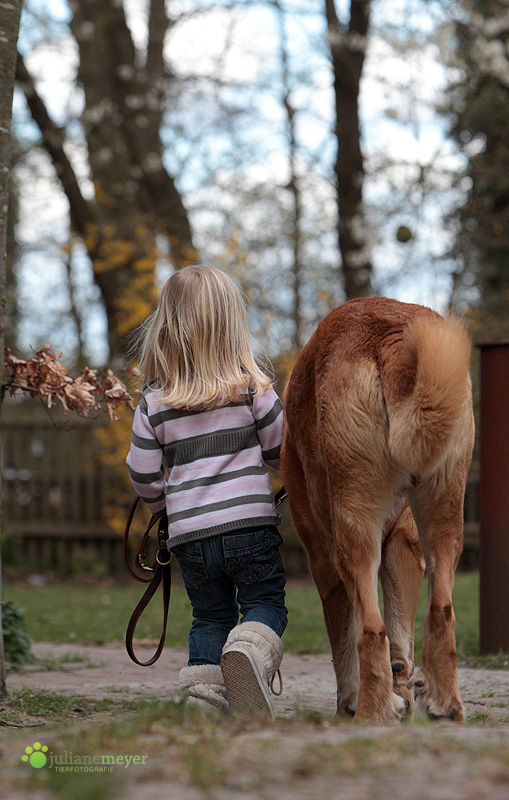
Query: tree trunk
[
  {"x": 348, "y": 49},
  {"x": 9, "y": 27},
  {"x": 136, "y": 201}
]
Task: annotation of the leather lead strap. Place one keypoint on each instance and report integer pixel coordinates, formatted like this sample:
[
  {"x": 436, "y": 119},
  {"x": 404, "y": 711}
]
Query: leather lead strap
[{"x": 161, "y": 573}]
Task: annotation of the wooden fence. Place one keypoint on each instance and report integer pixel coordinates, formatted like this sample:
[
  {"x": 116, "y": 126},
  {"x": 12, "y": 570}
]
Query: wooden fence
[{"x": 56, "y": 488}]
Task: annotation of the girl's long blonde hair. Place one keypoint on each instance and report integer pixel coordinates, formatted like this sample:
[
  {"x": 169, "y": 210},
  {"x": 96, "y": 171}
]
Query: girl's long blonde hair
[{"x": 196, "y": 346}]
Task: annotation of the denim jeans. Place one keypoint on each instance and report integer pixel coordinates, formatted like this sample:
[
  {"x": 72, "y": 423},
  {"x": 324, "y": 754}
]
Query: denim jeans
[{"x": 227, "y": 574}]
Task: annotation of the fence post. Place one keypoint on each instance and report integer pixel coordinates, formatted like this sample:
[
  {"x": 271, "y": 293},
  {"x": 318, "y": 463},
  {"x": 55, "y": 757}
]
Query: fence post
[{"x": 494, "y": 497}]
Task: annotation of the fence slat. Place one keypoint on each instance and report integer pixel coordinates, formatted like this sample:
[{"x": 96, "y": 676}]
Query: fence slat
[{"x": 54, "y": 484}]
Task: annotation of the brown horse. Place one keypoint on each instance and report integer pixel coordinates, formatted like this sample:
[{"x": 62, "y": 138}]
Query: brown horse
[{"x": 378, "y": 440}]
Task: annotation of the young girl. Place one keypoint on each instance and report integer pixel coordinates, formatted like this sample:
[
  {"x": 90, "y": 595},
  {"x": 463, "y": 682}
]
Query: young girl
[{"x": 206, "y": 425}]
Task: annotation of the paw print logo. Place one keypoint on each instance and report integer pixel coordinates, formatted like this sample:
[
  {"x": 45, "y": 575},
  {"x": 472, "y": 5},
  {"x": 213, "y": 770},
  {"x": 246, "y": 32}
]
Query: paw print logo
[{"x": 35, "y": 755}]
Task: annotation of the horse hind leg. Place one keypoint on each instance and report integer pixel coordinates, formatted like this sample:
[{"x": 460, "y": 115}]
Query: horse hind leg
[
  {"x": 337, "y": 606},
  {"x": 358, "y": 562},
  {"x": 316, "y": 536},
  {"x": 401, "y": 574},
  {"x": 341, "y": 628},
  {"x": 439, "y": 517}
]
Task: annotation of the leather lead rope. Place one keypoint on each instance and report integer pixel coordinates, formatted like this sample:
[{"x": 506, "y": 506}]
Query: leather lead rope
[
  {"x": 162, "y": 573},
  {"x": 161, "y": 570}
]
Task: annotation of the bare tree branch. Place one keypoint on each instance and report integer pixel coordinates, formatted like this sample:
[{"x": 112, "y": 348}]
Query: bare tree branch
[{"x": 53, "y": 138}]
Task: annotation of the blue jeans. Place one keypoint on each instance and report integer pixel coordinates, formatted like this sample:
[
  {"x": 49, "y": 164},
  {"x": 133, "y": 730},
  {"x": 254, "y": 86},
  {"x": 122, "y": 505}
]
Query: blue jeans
[{"x": 227, "y": 574}]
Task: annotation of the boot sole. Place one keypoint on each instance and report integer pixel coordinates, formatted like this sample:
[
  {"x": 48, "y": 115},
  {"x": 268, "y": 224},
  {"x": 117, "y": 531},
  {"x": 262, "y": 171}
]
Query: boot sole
[{"x": 245, "y": 691}]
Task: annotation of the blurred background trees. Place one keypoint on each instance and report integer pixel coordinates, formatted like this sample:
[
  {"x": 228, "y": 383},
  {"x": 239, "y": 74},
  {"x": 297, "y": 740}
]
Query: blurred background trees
[
  {"x": 320, "y": 151},
  {"x": 132, "y": 208},
  {"x": 480, "y": 126}
]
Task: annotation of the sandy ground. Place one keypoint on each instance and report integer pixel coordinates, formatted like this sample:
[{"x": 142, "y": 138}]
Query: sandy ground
[
  {"x": 105, "y": 670},
  {"x": 299, "y": 758}
]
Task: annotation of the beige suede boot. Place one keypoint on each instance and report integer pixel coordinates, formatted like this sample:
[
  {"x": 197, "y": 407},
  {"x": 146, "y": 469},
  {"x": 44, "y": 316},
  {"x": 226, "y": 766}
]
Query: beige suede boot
[
  {"x": 203, "y": 688},
  {"x": 251, "y": 657}
]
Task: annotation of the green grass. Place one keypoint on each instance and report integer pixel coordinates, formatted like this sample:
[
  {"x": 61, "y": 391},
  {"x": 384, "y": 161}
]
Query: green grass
[
  {"x": 79, "y": 612},
  {"x": 59, "y": 707}
]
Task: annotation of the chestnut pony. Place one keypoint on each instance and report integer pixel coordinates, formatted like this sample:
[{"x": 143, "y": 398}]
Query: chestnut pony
[{"x": 378, "y": 440}]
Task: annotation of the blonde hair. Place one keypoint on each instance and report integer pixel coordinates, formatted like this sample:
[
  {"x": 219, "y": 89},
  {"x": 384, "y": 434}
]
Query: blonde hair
[{"x": 196, "y": 346}]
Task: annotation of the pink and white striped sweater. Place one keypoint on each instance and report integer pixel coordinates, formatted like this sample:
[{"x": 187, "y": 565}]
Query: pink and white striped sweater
[{"x": 206, "y": 469}]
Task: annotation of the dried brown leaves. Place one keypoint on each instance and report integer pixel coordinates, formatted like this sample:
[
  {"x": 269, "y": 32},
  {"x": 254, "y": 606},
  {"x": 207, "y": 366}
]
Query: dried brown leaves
[{"x": 44, "y": 376}]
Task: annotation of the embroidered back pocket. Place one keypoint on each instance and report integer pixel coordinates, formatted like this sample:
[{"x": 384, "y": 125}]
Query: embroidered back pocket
[
  {"x": 248, "y": 556},
  {"x": 192, "y": 565}
]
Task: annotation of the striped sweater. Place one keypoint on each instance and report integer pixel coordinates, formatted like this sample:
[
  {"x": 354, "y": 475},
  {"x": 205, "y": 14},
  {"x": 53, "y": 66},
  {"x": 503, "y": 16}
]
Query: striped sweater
[{"x": 206, "y": 469}]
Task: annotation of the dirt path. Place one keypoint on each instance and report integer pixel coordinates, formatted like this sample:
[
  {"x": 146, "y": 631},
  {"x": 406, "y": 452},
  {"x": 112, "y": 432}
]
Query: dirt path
[
  {"x": 301, "y": 757},
  {"x": 105, "y": 670}
]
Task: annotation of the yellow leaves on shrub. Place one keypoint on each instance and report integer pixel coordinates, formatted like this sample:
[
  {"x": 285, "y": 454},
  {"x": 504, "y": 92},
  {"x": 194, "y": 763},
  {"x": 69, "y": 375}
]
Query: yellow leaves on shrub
[
  {"x": 114, "y": 445},
  {"x": 284, "y": 365},
  {"x": 139, "y": 297},
  {"x": 102, "y": 197},
  {"x": 115, "y": 253}
]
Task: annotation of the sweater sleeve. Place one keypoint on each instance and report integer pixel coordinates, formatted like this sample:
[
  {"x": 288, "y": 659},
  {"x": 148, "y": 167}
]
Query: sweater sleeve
[
  {"x": 268, "y": 414},
  {"x": 145, "y": 462}
]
